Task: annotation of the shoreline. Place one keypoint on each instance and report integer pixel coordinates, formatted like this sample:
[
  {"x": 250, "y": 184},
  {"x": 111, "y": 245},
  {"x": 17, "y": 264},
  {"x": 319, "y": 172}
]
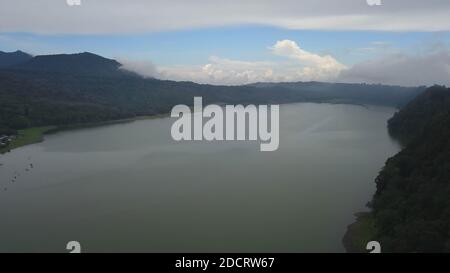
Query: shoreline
[
  {"x": 25, "y": 137},
  {"x": 359, "y": 233},
  {"x": 35, "y": 135}
]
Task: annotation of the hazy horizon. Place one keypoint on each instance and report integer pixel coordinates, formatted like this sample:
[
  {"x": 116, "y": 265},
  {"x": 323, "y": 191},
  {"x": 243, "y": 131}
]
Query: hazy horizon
[{"x": 400, "y": 42}]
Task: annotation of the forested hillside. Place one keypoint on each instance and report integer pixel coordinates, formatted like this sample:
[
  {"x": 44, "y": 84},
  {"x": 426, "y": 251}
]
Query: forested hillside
[
  {"x": 80, "y": 88},
  {"x": 411, "y": 207}
]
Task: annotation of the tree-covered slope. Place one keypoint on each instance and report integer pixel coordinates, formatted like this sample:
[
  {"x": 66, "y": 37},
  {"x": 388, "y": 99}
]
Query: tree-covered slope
[
  {"x": 411, "y": 207},
  {"x": 79, "y": 88}
]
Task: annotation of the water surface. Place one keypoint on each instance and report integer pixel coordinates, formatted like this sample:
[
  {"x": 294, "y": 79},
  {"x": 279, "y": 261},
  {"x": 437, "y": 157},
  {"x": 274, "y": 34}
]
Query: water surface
[{"x": 130, "y": 187}]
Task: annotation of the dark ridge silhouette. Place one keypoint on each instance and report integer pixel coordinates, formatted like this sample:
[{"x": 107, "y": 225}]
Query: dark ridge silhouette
[
  {"x": 76, "y": 64},
  {"x": 8, "y": 59}
]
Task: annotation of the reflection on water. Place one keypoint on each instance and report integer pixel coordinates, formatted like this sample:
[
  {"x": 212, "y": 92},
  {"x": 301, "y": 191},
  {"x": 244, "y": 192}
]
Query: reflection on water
[{"x": 130, "y": 187}]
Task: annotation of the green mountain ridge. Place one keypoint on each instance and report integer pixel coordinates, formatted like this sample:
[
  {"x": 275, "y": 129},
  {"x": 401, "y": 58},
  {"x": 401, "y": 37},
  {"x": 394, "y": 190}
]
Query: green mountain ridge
[{"x": 81, "y": 88}]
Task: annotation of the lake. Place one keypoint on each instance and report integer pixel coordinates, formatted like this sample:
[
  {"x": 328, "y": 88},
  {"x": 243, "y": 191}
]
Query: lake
[{"x": 130, "y": 188}]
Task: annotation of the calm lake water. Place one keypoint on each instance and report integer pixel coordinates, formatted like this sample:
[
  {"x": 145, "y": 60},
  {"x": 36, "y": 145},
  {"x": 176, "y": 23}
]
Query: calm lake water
[{"x": 130, "y": 187}]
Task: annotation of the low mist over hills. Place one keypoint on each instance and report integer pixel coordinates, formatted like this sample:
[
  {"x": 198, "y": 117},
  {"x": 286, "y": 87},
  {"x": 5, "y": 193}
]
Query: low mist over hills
[{"x": 78, "y": 88}]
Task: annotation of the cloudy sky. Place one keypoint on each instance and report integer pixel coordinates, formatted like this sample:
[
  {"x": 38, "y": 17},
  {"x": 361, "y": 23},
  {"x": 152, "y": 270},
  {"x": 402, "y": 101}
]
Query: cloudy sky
[{"x": 404, "y": 42}]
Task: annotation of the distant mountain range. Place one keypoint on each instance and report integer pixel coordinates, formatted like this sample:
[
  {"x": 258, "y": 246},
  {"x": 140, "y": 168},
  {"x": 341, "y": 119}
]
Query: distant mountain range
[
  {"x": 86, "y": 63},
  {"x": 76, "y": 64},
  {"x": 79, "y": 88}
]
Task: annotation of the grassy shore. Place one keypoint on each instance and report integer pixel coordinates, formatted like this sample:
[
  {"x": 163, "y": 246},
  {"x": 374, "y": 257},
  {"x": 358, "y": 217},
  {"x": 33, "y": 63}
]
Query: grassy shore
[
  {"x": 36, "y": 134},
  {"x": 27, "y": 136},
  {"x": 359, "y": 233}
]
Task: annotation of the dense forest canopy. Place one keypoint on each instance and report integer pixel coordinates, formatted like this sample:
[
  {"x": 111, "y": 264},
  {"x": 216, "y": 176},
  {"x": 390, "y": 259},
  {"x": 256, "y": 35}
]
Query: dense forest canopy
[{"x": 411, "y": 207}]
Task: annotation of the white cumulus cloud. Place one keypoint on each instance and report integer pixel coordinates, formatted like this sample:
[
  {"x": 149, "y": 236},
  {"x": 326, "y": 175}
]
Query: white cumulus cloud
[
  {"x": 296, "y": 65},
  {"x": 316, "y": 67}
]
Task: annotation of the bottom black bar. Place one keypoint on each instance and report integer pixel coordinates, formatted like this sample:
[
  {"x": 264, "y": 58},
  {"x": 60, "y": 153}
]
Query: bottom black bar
[{"x": 226, "y": 262}]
